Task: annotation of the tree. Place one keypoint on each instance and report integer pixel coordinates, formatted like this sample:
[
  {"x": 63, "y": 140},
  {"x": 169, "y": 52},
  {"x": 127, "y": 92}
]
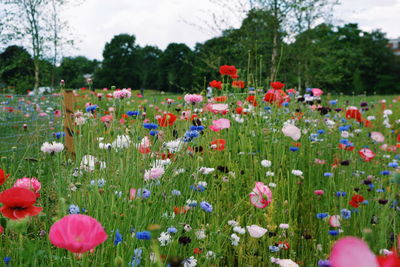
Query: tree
[
  {"x": 175, "y": 68},
  {"x": 73, "y": 70},
  {"x": 17, "y": 68},
  {"x": 120, "y": 63},
  {"x": 28, "y": 19},
  {"x": 148, "y": 57}
]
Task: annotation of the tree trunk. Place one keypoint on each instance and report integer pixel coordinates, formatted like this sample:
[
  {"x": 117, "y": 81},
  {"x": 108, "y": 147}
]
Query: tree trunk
[
  {"x": 274, "y": 57},
  {"x": 36, "y": 64}
]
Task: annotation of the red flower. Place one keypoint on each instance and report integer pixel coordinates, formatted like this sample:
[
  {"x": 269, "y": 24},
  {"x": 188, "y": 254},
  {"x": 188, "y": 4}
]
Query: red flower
[
  {"x": 181, "y": 210},
  {"x": 353, "y": 113},
  {"x": 18, "y": 203},
  {"x": 277, "y": 85},
  {"x": 3, "y": 177},
  {"x": 218, "y": 144},
  {"x": 238, "y": 84},
  {"x": 358, "y": 198},
  {"x": 197, "y": 251},
  {"x": 390, "y": 260},
  {"x": 167, "y": 120},
  {"x": 252, "y": 100},
  {"x": 228, "y": 70},
  {"x": 354, "y": 204},
  {"x": 216, "y": 84},
  {"x": 220, "y": 98},
  {"x": 239, "y": 110}
]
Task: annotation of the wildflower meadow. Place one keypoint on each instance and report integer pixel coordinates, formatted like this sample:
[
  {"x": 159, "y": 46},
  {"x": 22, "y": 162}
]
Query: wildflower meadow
[{"x": 242, "y": 176}]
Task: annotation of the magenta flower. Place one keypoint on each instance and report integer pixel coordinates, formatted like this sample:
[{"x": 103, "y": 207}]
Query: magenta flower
[
  {"x": 261, "y": 196},
  {"x": 220, "y": 124},
  {"x": 77, "y": 233},
  {"x": 192, "y": 99},
  {"x": 32, "y": 184}
]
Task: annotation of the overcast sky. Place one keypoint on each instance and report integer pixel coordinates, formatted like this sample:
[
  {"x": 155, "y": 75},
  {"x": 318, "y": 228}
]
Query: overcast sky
[{"x": 160, "y": 22}]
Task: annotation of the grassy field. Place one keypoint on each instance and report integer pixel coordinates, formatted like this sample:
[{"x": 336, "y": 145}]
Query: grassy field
[{"x": 298, "y": 219}]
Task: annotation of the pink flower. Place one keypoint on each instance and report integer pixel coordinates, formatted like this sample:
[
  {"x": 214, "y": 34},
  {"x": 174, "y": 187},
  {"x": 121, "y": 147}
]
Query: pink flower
[
  {"x": 319, "y": 192},
  {"x": 217, "y": 108},
  {"x": 57, "y": 113},
  {"x": 106, "y": 118},
  {"x": 334, "y": 221},
  {"x": 124, "y": 93},
  {"x": 291, "y": 131},
  {"x": 261, "y": 196},
  {"x": 153, "y": 173},
  {"x": 220, "y": 124},
  {"x": 32, "y": 184},
  {"x": 192, "y": 99},
  {"x": 77, "y": 233}
]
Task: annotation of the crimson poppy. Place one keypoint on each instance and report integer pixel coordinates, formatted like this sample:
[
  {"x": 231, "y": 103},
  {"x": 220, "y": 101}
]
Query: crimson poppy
[
  {"x": 238, "y": 84},
  {"x": 353, "y": 113},
  {"x": 218, "y": 144},
  {"x": 277, "y": 85},
  {"x": 3, "y": 176},
  {"x": 18, "y": 203},
  {"x": 216, "y": 84},
  {"x": 167, "y": 120},
  {"x": 228, "y": 70},
  {"x": 252, "y": 100},
  {"x": 220, "y": 98}
]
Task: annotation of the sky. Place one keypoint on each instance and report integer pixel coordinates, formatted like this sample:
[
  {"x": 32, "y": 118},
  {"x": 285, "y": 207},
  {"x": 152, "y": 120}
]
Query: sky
[{"x": 160, "y": 22}]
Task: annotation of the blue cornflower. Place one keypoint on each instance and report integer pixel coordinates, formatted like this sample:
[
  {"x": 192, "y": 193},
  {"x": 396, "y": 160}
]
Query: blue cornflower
[
  {"x": 273, "y": 248},
  {"x": 136, "y": 259},
  {"x": 324, "y": 263},
  {"x": 332, "y": 102},
  {"x": 144, "y": 193},
  {"x": 118, "y": 238},
  {"x": 385, "y": 172},
  {"x": 172, "y": 230},
  {"x": 91, "y": 108},
  {"x": 145, "y": 235},
  {"x": 73, "y": 209},
  {"x": 153, "y": 133},
  {"x": 58, "y": 135},
  {"x": 393, "y": 164},
  {"x": 322, "y": 215},
  {"x": 333, "y": 232},
  {"x": 267, "y": 108},
  {"x": 344, "y": 128},
  {"x": 380, "y": 190},
  {"x": 150, "y": 126},
  {"x": 133, "y": 113},
  {"x": 294, "y": 149},
  {"x": 346, "y": 214},
  {"x": 285, "y": 104},
  {"x": 344, "y": 141},
  {"x": 7, "y": 260},
  {"x": 328, "y": 174},
  {"x": 321, "y": 131},
  {"x": 206, "y": 206},
  {"x": 341, "y": 194},
  {"x": 197, "y": 128},
  {"x": 192, "y": 134}
]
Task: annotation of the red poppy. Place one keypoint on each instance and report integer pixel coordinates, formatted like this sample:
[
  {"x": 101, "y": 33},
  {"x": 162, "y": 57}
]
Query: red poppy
[
  {"x": 220, "y": 98},
  {"x": 3, "y": 176},
  {"x": 277, "y": 85},
  {"x": 167, "y": 120},
  {"x": 197, "y": 251},
  {"x": 357, "y": 198},
  {"x": 218, "y": 144},
  {"x": 18, "y": 203},
  {"x": 228, "y": 70},
  {"x": 284, "y": 245},
  {"x": 124, "y": 116},
  {"x": 390, "y": 260},
  {"x": 354, "y": 204},
  {"x": 238, "y": 84},
  {"x": 216, "y": 84},
  {"x": 353, "y": 113},
  {"x": 252, "y": 100},
  {"x": 181, "y": 210},
  {"x": 239, "y": 110}
]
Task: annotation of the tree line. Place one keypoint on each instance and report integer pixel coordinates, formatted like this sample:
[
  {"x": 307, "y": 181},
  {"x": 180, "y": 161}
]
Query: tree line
[{"x": 335, "y": 58}]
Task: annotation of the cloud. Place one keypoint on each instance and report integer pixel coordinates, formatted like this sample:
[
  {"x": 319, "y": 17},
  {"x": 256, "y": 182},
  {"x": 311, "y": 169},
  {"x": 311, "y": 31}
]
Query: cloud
[{"x": 160, "y": 22}]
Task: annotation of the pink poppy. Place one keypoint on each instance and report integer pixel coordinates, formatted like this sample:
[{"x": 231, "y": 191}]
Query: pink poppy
[
  {"x": 220, "y": 124},
  {"x": 367, "y": 154},
  {"x": 77, "y": 233},
  {"x": 256, "y": 231},
  {"x": 261, "y": 196},
  {"x": 106, "y": 118},
  {"x": 319, "y": 192},
  {"x": 317, "y": 91},
  {"x": 291, "y": 131},
  {"x": 351, "y": 251},
  {"x": 334, "y": 221},
  {"x": 377, "y": 137},
  {"x": 217, "y": 108},
  {"x": 192, "y": 99},
  {"x": 29, "y": 183}
]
